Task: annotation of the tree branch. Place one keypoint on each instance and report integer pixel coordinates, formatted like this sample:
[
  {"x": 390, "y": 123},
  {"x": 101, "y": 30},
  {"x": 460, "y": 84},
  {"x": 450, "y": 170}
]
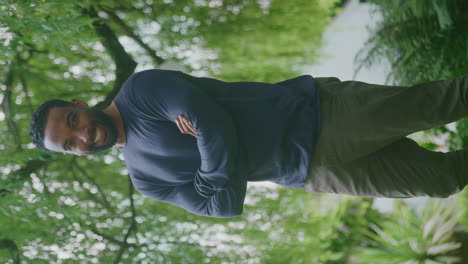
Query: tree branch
[
  {"x": 103, "y": 201},
  {"x": 24, "y": 172},
  {"x": 26, "y": 90},
  {"x": 11, "y": 246},
  {"x": 7, "y": 108},
  {"x": 91, "y": 179},
  {"x": 132, "y": 226},
  {"x": 124, "y": 64},
  {"x": 113, "y": 239},
  {"x": 130, "y": 32},
  {"x": 47, "y": 192},
  {"x": 105, "y": 236}
]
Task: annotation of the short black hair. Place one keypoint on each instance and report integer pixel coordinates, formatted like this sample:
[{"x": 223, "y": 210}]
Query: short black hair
[{"x": 39, "y": 120}]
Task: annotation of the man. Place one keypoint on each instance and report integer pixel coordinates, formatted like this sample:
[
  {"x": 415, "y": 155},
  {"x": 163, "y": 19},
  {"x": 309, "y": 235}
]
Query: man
[{"x": 195, "y": 142}]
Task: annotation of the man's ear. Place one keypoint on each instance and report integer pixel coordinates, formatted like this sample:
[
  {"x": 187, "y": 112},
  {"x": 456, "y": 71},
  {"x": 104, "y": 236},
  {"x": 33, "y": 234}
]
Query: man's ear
[{"x": 79, "y": 103}]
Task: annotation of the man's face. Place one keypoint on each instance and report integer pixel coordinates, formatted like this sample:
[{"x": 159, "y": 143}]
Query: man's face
[{"x": 79, "y": 130}]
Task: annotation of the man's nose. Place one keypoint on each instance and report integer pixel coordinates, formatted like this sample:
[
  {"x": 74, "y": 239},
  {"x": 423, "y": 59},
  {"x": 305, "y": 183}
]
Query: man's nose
[{"x": 83, "y": 134}]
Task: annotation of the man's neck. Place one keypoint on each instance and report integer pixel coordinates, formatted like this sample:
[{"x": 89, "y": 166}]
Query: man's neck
[{"x": 114, "y": 113}]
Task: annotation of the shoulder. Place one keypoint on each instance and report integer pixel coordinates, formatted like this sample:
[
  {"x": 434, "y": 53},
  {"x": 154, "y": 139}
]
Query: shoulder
[
  {"x": 146, "y": 84},
  {"x": 154, "y": 80},
  {"x": 154, "y": 74}
]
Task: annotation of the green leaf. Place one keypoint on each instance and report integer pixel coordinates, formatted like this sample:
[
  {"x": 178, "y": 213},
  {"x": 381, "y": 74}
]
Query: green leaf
[
  {"x": 46, "y": 27},
  {"x": 443, "y": 248}
]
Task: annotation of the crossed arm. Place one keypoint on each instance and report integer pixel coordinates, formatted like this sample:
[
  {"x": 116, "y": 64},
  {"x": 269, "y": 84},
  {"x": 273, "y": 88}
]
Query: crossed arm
[{"x": 219, "y": 185}]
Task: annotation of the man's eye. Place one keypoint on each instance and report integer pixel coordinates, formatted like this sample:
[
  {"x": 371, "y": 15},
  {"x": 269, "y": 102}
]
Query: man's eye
[
  {"x": 74, "y": 121},
  {"x": 66, "y": 146}
]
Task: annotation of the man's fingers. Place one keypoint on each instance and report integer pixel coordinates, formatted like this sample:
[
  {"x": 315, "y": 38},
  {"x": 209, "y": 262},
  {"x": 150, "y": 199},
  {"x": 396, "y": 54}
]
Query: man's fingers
[
  {"x": 177, "y": 121},
  {"x": 184, "y": 126},
  {"x": 188, "y": 125}
]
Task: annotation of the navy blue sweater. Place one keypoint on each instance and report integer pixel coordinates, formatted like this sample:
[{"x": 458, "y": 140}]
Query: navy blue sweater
[{"x": 246, "y": 131}]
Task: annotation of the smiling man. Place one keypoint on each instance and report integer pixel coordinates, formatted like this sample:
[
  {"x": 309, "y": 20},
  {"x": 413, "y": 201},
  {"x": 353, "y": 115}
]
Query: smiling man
[{"x": 195, "y": 142}]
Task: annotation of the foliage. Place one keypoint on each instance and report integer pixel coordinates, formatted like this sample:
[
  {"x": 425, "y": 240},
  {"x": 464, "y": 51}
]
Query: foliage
[
  {"x": 422, "y": 40},
  {"x": 277, "y": 48},
  {"x": 462, "y": 202},
  {"x": 307, "y": 228},
  {"x": 414, "y": 238}
]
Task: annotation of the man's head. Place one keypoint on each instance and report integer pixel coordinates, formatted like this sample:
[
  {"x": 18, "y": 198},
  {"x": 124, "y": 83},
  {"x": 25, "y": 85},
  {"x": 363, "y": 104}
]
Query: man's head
[{"x": 72, "y": 127}]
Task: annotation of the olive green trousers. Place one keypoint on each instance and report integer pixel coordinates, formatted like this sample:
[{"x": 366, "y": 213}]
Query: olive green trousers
[{"x": 363, "y": 149}]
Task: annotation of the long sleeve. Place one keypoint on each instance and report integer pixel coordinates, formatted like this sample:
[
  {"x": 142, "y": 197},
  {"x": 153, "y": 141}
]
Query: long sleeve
[{"x": 219, "y": 186}]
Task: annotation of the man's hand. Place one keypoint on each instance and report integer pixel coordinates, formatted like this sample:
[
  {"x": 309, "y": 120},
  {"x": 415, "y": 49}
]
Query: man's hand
[{"x": 184, "y": 126}]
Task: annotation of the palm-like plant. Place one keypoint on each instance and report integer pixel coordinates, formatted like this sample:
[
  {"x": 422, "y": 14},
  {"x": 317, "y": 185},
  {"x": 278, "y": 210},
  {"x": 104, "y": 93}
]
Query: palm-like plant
[
  {"x": 414, "y": 238},
  {"x": 422, "y": 40}
]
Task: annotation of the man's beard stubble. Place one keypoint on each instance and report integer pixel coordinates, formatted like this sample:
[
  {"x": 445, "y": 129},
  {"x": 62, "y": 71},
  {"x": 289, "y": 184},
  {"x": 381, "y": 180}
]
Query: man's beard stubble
[{"x": 106, "y": 121}]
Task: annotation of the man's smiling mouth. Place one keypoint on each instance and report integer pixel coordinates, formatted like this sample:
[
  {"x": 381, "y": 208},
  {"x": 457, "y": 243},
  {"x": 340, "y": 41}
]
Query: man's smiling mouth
[{"x": 97, "y": 136}]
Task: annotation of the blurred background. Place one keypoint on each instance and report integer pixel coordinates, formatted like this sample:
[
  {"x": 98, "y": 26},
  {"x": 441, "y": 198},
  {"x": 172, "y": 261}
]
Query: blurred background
[{"x": 64, "y": 209}]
